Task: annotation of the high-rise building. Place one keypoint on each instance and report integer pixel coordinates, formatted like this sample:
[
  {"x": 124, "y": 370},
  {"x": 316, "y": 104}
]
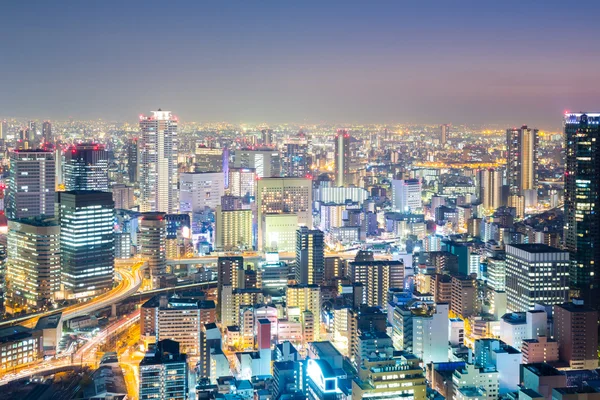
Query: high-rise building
[
  {"x": 199, "y": 190},
  {"x": 490, "y": 188},
  {"x": 152, "y": 242},
  {"x": 377, "y": 277},
  {"x": 267, "y": 137},
  {"x": 444, "y": 133},
  {"x": 132, "y": 161},
  {"x": 535, "y": 273},
  {"x": 158, "y": 162},
  {"x": 163, "y": 372},
  {"x": 31, "y": 184},
  {"x": 86, "y": 167},
  {"x": 47, "y": 132},
  {"x": 582, "y": 202},
  {"x": 283, "y": 195},
  {"x": 242, "y": 182},
  {"x": 522, "y": 160},
  {"x": 209, "y": 159},
  {"x": 306, "y": 299},
  {"x": 3, "y": 129},
  {"x": 86, "y": 242},
  {"x": 406, "y": 195},
  {"x": 464, "y": 296},
  {"x": 296, "y": 159},
  {"x": 310, "y": 256},
  {"x": 266, "y": 162},
  {"x": 227, "y": 273},
  {"x": 122, "y": 196},
  {"x": 233, "y": 229},
  {"x": 342, "y": 158},
  {"x": 576, "y": 331},
  {"x": 33, "y": 269}
]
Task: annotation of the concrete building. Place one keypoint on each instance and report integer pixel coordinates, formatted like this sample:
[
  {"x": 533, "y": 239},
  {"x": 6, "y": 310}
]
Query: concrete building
[
  {"x": 163, "y": 372},
  {"x": 233, "y": 229},
  {"x": 304, "y": 304},
  {"x": 539, "y": 350},
  {"x": 542, "y": 378},
  {"x": 122, "y": 196},
  {"x": 19, "y": 346},
  {"x": 199, "y": 190},
  {"x": 242, "y": 182},
  {"x": 473, "y": 376},
  {"x": 158, "y": 162},
  {"x": 31, "y": 184},
  {"x": 266, "y": 162},
  {"x": 576, "y": 331},
  {"x": 536, "y": 273},
  {"x": 406, "y": 196},
  {"x": 280, "y": 231},
  {"x": 152, "y": 245},
  {"x": 33, "y": 268},
  {"x": 464, "y": 296},
  {"x": 492, "y": 353},
  {"x": 310, "y": 256},
  {"x": 377, "y": 277}
]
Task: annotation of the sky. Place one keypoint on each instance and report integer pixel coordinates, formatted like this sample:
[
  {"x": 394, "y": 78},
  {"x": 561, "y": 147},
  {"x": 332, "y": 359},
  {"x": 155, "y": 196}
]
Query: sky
[{"x": 497, "y": 62}]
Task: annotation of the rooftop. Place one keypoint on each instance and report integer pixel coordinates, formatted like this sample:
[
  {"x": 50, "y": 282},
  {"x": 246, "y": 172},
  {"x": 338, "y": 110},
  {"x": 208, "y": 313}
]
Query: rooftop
[{"x": 536, "y": 248}]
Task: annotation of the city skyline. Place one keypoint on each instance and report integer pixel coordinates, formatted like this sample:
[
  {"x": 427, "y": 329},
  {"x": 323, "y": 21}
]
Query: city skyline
[{"x": 463, "y": 63}]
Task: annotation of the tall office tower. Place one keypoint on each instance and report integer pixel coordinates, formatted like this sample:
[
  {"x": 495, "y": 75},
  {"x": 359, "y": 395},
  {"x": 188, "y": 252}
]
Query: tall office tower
[
  {"x": 490, "y": 188},
  {"x": 3, "y": 129},
  {"x": 283, "y": 196},
  {"x": 163, "y": 372},
  {"x": 582, "y": 203},
  {"x": 267, "y": 137},
  {"x": 59, "y": 158},
  {"x": 576, "y": 331},
  {"x": 310, "y": 256},
  {"x": 86, "y": 167},
  {"x": 535, "y": 273},
  {"x": 295, "y": 161},
  {"x": 233, "y": 229},
  {"x": 122, "y": 196},
  {"x": 31, "y": 184},
  {"x": 227, "y": 274},
  {"x": 33, "y": 269},
  {"x": 266, "y": 162},
  {"x": 242, "y": 182},
  {"x": 522, "y": 162},
  {"x": 87, "y": 242},
  {"x": 463, "y": 302},
  {"x": 132, "y": 161},
  {"x": 209, "y": 159},
  {"x": 152, "y": 242},
  {"x": 342, "y": 158},
  {"x": 158, "y": 162},
  {"x": 406, "y": 195},
  {"x": 444, "y": 133},
  {"x": 199, "y": 190},
  {"x": 377, "y": 277},
  {"x": 47, "y": 132},
  {"x": 305, "y": 298}
]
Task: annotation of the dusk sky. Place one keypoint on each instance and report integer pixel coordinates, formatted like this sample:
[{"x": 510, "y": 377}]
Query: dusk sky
[{"x": 499, "y": 62}]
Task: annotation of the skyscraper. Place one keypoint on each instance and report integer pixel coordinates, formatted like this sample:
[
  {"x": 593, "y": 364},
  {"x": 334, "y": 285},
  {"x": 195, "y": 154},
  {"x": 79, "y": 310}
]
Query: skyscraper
[
  {"x": 490, "y": 188},
  {"x": 158, "y": 162},
  {"x": 199, "y": 190},
  {"x": 522, "y": 161},
  {"x": 31, "y": 184},
  {"x": 86, "y": 167},
  {"x": 342, "y": 158},
  {"x": 233, "y": 229},
  {"x": 535, "y": 273},
  {"x": 87, "y": 242},
  {"x": 132, "y": 161},
  {"x": 33, "y": 268},
  {"x": 582, "y": 204},
  {"x": 152, "y": 241},
  {"x": 576, "y": 331},
  {"x": 163, "y": 372},
  {"x": 295, "y": 161},
  {"x": 47, "y": 132},
  {"x": 406, "y": 195},
  {"x": 310, "y": 256},
  {"x": 266, "y": 162},
  {"x": 444, "y": 132}
]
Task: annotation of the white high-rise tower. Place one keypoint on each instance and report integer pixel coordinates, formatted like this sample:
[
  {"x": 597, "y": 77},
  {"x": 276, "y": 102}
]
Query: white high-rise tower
[{"x": 158, "y": 162}]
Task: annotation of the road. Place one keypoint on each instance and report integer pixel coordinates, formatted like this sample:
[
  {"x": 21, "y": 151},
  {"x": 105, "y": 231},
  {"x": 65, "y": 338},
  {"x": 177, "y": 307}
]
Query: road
[
  {"x": 131, "y": 276},
  {"x": 85, "y": 355}
]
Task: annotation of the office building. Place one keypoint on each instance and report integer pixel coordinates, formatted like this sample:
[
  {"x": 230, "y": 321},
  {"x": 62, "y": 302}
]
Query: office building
[
  {"x": 122, "y": 196},
  {"x": 33, "y": 268},
  {"x": 390, "y": 378},
  {"x": 86, "y": 167},
  {"x": 31, "y": 184},
  {"x": 536, "y": 273},
  {"x": 233, "y": 229},
  {"x": 377, "y": 278},
  {"x": 576, "y": 331},
  {"x": 522, "y": 160},
  {"x": 266, "y": 162},
  {"x": 342, "y": 158},
  {"x": 497, "y": 355},
  {"x": 19, "y": 346},
  {"x": 490, "y": 188},
  {"x": 406, "y": 196},
  {"x": 86, "y": 242},
  {"x": 310, "y": 256},
  {"x": 152, "y": 245},
  {"x": 582, "y": 199},
  {"x": 464, "y": 296},
  {"x": 133, "y": 161},
  {"x": 273, "y": 275},
  {"x": 242, "y": 182},
  {"x": 208, "y": 159},
  {"x": 232, "y": 300},
  {"x": 282, "y": 195},
  {"x": 199, "y": 190},
  {"x": 539, "y": 350},
  {"x": 296, "y": 161},
  {"x": 163, "y": 373},
  {"x": 47, "y": 132},
  {"x": 158, "y": 162},
  {"x": 470, "y": 376}
]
